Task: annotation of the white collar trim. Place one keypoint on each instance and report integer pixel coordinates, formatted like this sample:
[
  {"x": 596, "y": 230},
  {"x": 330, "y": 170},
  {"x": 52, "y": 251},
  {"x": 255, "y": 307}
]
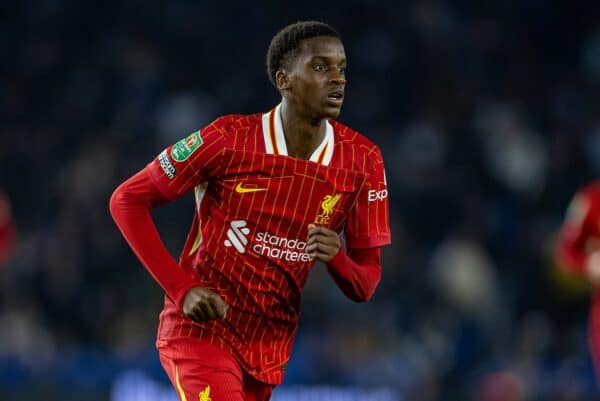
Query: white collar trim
[{"x": 275, "y": 139}]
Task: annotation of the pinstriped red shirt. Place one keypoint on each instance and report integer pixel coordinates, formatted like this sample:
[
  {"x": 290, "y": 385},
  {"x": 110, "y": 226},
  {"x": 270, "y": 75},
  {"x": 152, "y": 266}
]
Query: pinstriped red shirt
[{"x": 253, "y": 206}]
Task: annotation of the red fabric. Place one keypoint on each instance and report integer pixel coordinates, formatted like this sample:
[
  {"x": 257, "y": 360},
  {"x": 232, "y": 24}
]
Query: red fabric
[
  {"x": 581, "y": 230},
  {"x": 579, "y": 235},
  {"x": 368, "y": 224},
  {"x": 7, "y": 241},
  {"x": 130, "y": 207},
  {"x": 249, "y": 232},
  {"x": 571, "y": 248},
  {"x": 7, "y": 230},
  {"x": 357, "y": 272},
  {"x": 367, "y": 221},
  {"x": 195, "y": 367}
]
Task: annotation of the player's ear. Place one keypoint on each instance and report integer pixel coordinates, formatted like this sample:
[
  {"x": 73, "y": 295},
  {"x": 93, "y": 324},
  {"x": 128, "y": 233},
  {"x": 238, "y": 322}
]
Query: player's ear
[{"x": 282, "y": 78}]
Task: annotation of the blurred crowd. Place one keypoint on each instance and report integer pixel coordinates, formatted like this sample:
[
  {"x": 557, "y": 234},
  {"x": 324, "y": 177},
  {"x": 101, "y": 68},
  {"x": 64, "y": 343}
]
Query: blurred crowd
[{"x": 488, "y": 116}]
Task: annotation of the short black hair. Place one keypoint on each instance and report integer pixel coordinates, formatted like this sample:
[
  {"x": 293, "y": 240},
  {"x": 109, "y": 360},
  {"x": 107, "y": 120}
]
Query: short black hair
[{"x": 286, "y": 42}]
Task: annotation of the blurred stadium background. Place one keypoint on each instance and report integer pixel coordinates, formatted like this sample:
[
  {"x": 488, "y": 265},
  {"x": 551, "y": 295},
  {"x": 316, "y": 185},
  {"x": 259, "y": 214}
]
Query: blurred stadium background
[{"x": 488, "y": 115}]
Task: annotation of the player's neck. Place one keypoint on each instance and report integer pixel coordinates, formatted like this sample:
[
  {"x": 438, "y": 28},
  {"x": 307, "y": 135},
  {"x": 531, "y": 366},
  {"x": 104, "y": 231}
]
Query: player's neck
[{"x": 302, "y": 136}]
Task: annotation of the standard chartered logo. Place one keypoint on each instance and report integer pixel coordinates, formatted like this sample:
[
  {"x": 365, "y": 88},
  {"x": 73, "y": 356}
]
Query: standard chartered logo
[
  {"x": 291, "y": 250},
  {"x": 265, "y": 244},
  {"x": 237, "y": 235}
]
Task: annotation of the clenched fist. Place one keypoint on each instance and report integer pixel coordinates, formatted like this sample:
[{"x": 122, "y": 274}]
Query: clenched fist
[
  {"x": 322, "y": 243},
  {"x": 202, "y": 305}
]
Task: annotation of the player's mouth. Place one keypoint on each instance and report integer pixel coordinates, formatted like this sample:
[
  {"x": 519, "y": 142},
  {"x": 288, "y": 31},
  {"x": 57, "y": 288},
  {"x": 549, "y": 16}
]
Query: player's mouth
[{"x": 335, "y": 98}]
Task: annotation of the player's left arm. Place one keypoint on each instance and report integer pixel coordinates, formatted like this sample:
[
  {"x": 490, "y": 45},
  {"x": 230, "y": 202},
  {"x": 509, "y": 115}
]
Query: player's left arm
[{"x": 355, "y": 271}]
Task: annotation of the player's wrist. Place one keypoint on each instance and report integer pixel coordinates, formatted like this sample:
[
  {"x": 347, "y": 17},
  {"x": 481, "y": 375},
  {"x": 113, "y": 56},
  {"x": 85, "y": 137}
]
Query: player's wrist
[
  {"x": 339, "y": 260},
  {"x": 180, "y": 294}
]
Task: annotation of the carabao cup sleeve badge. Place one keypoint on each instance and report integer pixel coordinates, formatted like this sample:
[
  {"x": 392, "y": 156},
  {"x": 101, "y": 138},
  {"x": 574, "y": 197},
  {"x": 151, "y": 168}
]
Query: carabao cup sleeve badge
[{"x": 183, "y": 149}]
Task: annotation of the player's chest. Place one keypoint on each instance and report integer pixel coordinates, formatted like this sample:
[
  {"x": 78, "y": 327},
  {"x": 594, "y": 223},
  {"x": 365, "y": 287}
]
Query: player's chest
[{"x": 264, "y": 188}]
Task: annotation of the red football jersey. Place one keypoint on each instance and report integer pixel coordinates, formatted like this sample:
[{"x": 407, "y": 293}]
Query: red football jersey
[
  {"x": 579, "y": 236},
  {"x": 253, "y": 207}
]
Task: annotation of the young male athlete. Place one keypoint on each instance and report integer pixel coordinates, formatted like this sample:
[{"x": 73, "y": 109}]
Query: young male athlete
[
  {"x": 273, "y": 193},
  {"x": 579, "y": 250}
]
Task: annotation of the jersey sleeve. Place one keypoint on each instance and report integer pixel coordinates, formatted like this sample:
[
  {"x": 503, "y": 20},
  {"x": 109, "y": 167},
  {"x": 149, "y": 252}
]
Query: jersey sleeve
[
  {"x": 194, "y": 159},
  {"x": 368, "y": 223},
  {"x": 130, "y": 206},
  {"x": 357, "y": 272}
]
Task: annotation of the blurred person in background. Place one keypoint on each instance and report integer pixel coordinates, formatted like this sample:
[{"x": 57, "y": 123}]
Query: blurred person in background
[
  {"x": 273, "y": 193},
  {"x": 7, "y": 229},
  {"x": 579, "y": 251}
]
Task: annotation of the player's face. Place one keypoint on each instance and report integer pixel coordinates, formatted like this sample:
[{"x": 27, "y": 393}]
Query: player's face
[{"x": 317, "y": 77}]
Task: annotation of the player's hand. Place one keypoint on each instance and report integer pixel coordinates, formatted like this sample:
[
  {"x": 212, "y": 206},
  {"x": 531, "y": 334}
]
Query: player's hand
[
  {"x": 322, "y": 244},
  {"x": 201, "y": 305}
]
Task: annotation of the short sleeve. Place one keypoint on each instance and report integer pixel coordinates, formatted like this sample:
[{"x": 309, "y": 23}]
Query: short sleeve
[
  {"x": 192, "y": 160},
  {"x": 368, "y": 223}
]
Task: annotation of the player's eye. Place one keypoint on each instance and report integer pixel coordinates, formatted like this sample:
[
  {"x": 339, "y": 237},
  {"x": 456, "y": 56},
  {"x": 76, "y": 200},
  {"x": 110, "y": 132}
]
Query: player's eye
[{"x": 320, "y": 67}]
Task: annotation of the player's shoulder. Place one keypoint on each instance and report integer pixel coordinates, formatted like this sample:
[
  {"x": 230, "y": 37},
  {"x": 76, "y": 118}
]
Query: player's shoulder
[
  {"x": 348, "y": 139},
  {"x": 232, "y": 123}
]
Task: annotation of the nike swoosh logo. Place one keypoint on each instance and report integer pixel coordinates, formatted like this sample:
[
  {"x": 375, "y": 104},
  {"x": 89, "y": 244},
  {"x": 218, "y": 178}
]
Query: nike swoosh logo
[{"x": 241, "y": 190}]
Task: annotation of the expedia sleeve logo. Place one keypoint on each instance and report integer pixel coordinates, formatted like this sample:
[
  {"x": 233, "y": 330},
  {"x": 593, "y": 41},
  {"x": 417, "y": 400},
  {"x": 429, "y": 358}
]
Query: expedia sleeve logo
[
  {"x": 166, "y": 165},
  {"x": 375, "y": 195}
]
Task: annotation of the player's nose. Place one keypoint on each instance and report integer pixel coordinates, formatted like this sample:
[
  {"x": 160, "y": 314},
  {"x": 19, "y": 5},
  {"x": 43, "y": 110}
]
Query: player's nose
[
  {"x": 337, "y": 77},
  {"x": 339, "y": 81}
]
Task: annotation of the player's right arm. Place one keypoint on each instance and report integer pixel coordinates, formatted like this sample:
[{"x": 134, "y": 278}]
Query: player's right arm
[
  {"x": 171, "y": 175},
  {"x": 576, "y": 236}
]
